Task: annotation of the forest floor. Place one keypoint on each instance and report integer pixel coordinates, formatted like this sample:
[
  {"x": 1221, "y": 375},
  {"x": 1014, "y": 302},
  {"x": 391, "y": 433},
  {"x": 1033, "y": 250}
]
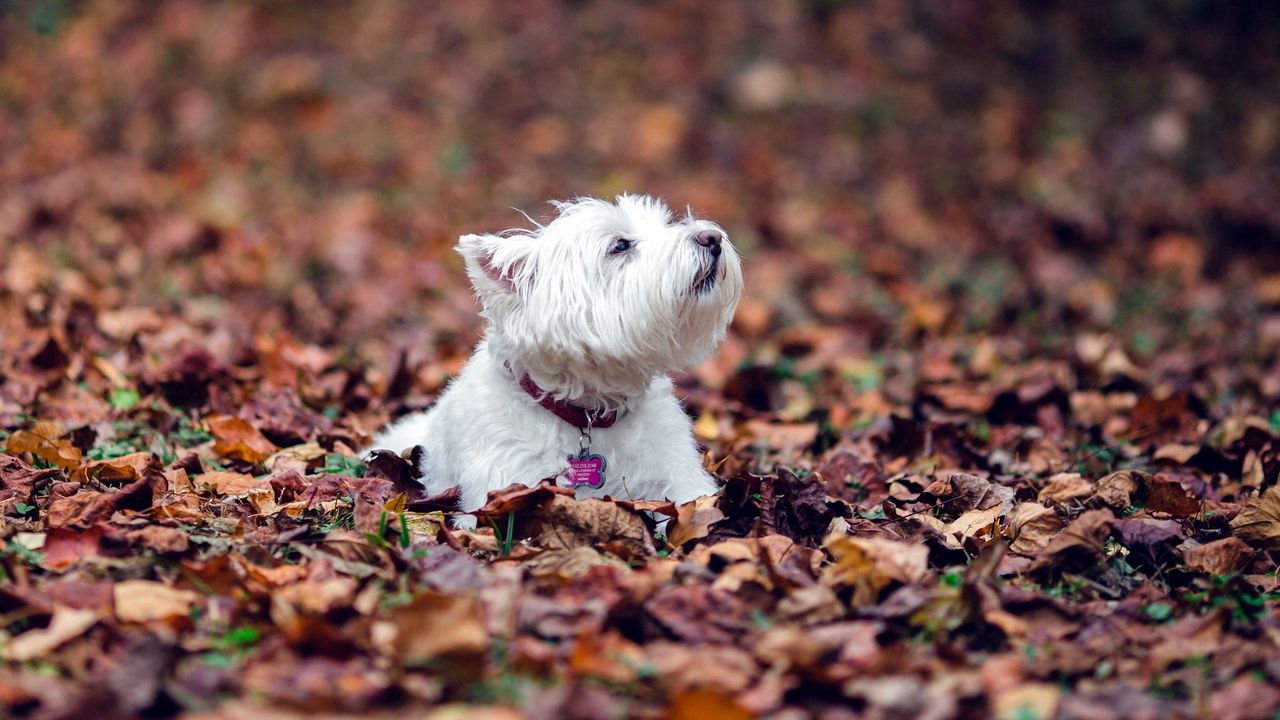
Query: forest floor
[{"x": 997, "y": 423}]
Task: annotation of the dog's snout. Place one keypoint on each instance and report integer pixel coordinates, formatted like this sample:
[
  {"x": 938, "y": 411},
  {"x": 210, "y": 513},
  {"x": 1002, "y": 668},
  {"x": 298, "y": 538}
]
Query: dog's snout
[{"x": 710, "y": 239}]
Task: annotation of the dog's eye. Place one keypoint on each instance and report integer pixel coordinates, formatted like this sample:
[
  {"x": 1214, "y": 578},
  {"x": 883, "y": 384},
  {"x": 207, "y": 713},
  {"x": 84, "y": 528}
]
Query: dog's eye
[{"x": 620, "y": 245}]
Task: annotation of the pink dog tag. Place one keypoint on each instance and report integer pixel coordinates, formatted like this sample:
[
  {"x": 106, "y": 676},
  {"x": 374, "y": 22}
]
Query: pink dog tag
[{"x": 585, "y": 470}]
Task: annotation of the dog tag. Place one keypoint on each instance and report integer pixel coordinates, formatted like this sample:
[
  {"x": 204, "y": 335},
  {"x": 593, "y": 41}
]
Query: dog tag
[{"x": 585, "y": 469}]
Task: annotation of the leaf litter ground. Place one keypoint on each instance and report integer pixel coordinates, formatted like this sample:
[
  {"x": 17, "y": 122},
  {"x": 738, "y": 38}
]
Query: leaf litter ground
[{"x": 997, "y": 423}]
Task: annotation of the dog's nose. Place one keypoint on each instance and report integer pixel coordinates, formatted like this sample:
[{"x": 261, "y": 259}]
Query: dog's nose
[{"x": 710, "y": 239}]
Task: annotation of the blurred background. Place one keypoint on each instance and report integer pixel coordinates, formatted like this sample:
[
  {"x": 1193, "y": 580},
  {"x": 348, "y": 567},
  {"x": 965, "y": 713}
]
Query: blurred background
[{"x": 1005, "y": 179}]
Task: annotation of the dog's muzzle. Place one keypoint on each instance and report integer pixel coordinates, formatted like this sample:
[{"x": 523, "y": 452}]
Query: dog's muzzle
[{"x": 707, "y": 279}]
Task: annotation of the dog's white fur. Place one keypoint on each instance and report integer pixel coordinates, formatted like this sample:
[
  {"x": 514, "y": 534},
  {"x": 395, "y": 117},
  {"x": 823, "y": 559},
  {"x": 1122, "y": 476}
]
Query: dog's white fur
[{"x": 596, "y": 328}]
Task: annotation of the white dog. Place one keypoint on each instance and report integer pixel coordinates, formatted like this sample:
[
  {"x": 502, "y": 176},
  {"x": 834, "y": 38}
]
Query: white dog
[{"x": 587, "y": 315}]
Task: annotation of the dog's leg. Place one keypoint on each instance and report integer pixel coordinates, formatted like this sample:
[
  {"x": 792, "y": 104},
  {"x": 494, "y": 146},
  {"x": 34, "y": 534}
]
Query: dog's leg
[{"x": 405, "y": 433}]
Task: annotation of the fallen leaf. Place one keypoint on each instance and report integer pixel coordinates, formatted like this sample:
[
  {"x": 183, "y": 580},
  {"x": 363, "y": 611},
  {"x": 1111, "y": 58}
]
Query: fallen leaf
[
  {"x": 236, "y": 438},
  {"x": 705, "y": 704},
  {"x": 1168, "y": 496},
  {"x": 694, "y": 520},
  {"x": 1245, "y": 698},
  {"x": 1220, "y": 557},
  {"x": 45, "y": 443},
  {"x": 85, "y": 507},
  {"x": 115, "y": 471},
  {"x": 434, "y": 626},
  {"x": 868, "y": 565},
  {"x": 19, "y": 482},
  {"x": 1064, "y": 488},
  {"x": 1033, "y": 526},
  {"x": 160, "y": 539},
  {"x": 231, "y": 484},
  {"x": 1258, "y": 522},
  {"x": 1080, "y": 545},
  {"x": 568, "y": 523},
  {"x": 788, "y": 437},
  {"x": 142, "y": 601},
  {"x": 698, "y": 613},
  {"x": 66, "y": 624},
  {"x": 1028, "y": 701},
  {"x": 1119, "y": 489},
  {"x": 1151, "y": 539},
  {"x": 63, "y": 547}
]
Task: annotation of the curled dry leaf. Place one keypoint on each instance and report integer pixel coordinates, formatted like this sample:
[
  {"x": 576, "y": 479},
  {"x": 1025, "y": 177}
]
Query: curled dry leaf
[
  {"x": 1168, "y": 496},
  {"x": 1080, "y": 545},
  {"x": 237, "y": 439},
  {"x": 1151, "y": 539},
  {"x": 115, "y": 471},
  {"x": 85, "y": 508},
  {"x": 568, "y": 523},
  {"x": 303, "y": 459},
  {"x": 19, "y": 482},
  {"x": 698, "y": 613},
  {"x": 1258, "y": 522},
  {"x": 1033, "y": 526},
  {"x": 964, "y": 492},
  {"x": 1064, "y": 488},
  {"x": 869, "y": 565},
  {"x": 694, "y": 520},
  {"x": 44, "y": 442},
  {"x": 1120, "y": 489}
]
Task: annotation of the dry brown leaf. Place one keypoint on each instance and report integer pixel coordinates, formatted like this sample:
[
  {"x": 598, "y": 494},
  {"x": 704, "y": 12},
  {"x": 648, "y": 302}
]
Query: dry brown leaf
[
  {"x": 971, "y": 524},
  {"x": 1177, "y": 452},
  {"x": 435, "y": 626},
  {"x": 705, "y": 704},
  {"x": 1065, "y": 487},
  {"x": 143, "y": 601},
  {"x": 570, "y": 563},
  {"x": 568, "y": 523},
  {"x": 1026, "y": 701},
  {"x": 1258, "y": 522},
  {"x": 1080, "y": 545},
  {"x": 236, "y": 438},
  {"x": 66, "y": 624},
  {"x": 868, "y": 565},
  {"x": 681, "y": 667},
  {"x": 302, "y": 459},
  {"x": 231, "y": 484},
  {"x": 1033, "y": 526},
  {"x": 43, "y": 442},
  {"x": 1118, "y": 490},
  {"x": 1168, "y": 496},
  {"x": 115, "y": 471},
  {"x": 1252, "y": 473},
  {"x": 694, "y": 520},
  {"x": 1220, "y": 557},
  {"x": 63, "y": 547},
  {"x": 784, "y": 438},
  {"x": 315, "y": 596}
]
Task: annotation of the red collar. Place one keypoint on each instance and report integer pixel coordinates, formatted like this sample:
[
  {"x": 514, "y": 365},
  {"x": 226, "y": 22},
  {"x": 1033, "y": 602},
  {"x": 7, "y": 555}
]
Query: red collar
[{"x": 576, "y": 416}]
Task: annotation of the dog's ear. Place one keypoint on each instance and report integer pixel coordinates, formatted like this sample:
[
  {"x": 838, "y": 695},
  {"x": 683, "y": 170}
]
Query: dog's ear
[{"x": 495, "y": 262}]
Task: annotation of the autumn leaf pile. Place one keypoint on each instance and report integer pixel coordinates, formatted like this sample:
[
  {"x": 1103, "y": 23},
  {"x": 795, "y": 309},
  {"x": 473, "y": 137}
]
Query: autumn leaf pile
[{"x": 998, "y": 422}]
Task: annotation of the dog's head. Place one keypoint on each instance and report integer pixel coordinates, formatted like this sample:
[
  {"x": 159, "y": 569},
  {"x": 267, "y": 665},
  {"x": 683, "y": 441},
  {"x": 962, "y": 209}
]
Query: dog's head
[{"x": 607, "y": 295}]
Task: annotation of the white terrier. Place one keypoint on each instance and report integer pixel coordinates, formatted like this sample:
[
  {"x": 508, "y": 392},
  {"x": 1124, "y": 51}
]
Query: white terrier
[{"x": 587, "y": 315}]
